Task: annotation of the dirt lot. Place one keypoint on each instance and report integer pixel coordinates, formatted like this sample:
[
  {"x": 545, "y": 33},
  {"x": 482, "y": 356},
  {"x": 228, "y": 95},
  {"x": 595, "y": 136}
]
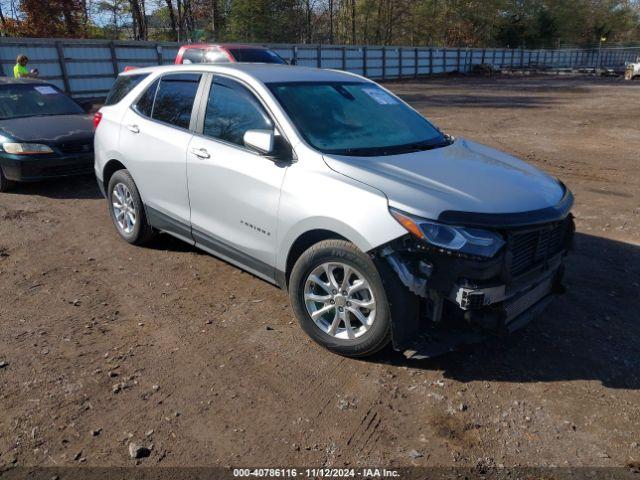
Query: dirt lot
[{"x": 108, "y": 343}]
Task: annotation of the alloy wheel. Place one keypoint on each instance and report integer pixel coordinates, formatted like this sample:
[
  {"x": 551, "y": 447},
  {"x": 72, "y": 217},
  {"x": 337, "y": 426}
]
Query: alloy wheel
[
  {"x": 340, "y": 300},
  {"x": 124, "y": 210}
]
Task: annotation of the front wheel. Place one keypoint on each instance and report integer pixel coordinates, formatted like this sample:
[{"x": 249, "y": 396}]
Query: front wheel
[{"x": 337, "y": 295}]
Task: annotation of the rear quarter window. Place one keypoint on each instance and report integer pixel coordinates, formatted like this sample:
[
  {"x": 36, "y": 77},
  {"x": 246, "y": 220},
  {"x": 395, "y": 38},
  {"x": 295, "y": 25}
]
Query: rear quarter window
[
  {"x": 122, "y": 86},
  {"x": 144, "y": 105}
]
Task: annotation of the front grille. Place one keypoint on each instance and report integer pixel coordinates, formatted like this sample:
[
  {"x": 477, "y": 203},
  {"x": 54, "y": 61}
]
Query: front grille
[
  {"x": 533, "y": 247},
  {"x": 71, "y": 148},
  {"x": 516, "y": 306}
]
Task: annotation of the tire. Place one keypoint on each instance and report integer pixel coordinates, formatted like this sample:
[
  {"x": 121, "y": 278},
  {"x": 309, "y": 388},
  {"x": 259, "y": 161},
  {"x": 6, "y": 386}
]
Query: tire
[
  {"x": 5, "y": 184},
  {"x": 137, "y": 231},
  {"x": 355, "y": 338}
]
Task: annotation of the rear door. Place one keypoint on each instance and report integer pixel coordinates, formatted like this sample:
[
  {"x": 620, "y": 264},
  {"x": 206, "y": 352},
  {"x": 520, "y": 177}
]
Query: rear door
[
  {"x": 234, "y": 191},
  {"x": 154, "y": 138}
]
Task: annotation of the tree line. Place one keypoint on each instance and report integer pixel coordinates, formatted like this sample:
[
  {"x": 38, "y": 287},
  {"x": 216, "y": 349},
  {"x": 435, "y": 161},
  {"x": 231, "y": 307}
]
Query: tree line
[{"x": 462, "y": 23}]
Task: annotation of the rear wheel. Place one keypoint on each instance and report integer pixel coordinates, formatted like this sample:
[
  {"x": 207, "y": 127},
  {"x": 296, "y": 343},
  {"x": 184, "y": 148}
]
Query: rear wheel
[
  {"x": 5, "y": 184},
  {"x": 127, "y": 210},
  {"x": 338, "y": 297}
]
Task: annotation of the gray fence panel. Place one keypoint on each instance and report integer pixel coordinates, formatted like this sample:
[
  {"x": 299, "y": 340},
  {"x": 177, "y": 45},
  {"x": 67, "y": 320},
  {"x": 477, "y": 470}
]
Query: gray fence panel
[{"x": 88, "y": 67}]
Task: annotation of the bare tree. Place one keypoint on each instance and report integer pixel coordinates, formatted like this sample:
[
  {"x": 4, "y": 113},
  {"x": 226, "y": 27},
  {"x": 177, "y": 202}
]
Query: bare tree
[
  {"x": 3, "y": 22},
  {"x": 172, "y": 20},
  {"x": 353, "y": 22},
  {"x": 331, "y": 14}
]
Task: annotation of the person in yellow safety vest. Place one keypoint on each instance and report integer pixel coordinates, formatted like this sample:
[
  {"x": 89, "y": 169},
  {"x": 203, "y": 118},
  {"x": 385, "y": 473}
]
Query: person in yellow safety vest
[{"x": 20, "y": 69}]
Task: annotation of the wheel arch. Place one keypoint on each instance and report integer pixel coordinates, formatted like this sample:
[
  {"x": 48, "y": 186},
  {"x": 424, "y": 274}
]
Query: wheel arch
[
  {"x": 111, "y": 167},
  {"x": 305, "y": 241}
]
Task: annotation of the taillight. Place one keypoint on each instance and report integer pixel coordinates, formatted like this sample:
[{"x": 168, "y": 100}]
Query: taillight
[{"x": 96, "y": 119}]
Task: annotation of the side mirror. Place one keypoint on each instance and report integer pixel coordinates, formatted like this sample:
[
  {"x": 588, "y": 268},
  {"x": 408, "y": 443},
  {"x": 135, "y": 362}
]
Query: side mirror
[{"x": 261, "y": 140}]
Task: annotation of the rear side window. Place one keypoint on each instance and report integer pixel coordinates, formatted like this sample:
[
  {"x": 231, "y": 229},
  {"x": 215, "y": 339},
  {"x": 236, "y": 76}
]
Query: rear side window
[
  {"x": 231, "y": 111},
  {"x": 174, "y": 99},
  {"x": 144, "y": 105},
  {"x": 192, "y": 55},
  {"x": 123, "y": 85}
]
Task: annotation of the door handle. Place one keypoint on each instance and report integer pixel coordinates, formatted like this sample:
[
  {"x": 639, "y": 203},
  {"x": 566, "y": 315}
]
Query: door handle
[
  {"x": 200, "y": 152},
  {"x": 133, "y": 128}
]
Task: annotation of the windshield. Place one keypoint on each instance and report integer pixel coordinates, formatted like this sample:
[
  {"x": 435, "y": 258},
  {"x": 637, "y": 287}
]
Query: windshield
[
  {"x": 358, "y": 119},
  {"x": 27, "y": 100},
  {"x": 255, "y": 55}
]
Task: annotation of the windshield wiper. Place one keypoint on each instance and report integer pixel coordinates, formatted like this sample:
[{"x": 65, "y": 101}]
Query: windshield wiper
[
  {"x": 37, "y": 115},
  {"x": 422, "y": 146},
  {"x": 393, "y": 149}
]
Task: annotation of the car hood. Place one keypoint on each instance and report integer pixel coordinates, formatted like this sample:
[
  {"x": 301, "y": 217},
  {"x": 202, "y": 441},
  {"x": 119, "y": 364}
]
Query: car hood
[
  {"x": 464, "y": 177},
  {"x": 51, "y": 129}
]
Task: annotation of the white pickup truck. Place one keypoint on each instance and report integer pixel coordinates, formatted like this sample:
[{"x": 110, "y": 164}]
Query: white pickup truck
[{"x": 632, "y": 70}]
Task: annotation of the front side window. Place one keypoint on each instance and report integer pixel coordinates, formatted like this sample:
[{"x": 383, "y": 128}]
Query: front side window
[
  {"x": 355, "y": 118},
  {"x": 231, "y": 111},
  {"x": 122, "y": 86},
  {"x": 174, "y": 99},
  {"x": 35, "y": 100}
]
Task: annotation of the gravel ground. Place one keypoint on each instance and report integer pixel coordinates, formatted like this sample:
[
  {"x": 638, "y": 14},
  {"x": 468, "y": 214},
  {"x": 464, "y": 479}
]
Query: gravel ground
[{"x": 103, "y": 344}]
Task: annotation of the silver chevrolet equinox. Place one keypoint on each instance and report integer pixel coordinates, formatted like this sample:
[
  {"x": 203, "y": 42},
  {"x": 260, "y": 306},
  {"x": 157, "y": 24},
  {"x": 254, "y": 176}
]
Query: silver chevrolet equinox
[{"x": 381, "y": 227}]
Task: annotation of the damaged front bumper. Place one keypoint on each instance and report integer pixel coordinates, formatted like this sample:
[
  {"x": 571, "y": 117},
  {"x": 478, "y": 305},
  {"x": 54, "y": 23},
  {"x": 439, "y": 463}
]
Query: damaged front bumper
[{"x": 460, "y": 299}]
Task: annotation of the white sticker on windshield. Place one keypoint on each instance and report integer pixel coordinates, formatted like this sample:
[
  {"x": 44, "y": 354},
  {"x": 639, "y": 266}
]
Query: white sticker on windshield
[
  {"x": 380, "y": 96},
  {"x": 46, "y": 90}
]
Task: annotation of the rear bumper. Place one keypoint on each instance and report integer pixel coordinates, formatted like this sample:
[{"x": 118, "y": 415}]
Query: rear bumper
[{"x": 22, "y": 168}]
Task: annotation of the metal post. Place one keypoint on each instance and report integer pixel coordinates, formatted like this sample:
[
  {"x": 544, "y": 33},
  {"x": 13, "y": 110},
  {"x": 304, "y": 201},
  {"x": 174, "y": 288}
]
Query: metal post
[
  {"x": 295, "y": 54},
  {"x": 63, "y": 67},
  {"x": 319, "y": 54},
  {"x": 430, "y": 61},
  {"x": 114, "y": 58},
  {"x": 504, "y": 52},
  {"x": 384, "y": 62},
  {"x": 415, "y": 62},
  {"x": 522, "y": 60},
  {"x": 400, "y": 62},
  {"x": 344, "y": 57},
  {"x": 364, "y": 60},
  {"x": 484, "y": 52},
  {"x": 159, "y": 54},
  {"x": 458, "y": 61}
]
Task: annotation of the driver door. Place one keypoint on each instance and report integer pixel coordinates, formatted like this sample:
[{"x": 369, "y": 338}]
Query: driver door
[{"x": 234, "y": 191}]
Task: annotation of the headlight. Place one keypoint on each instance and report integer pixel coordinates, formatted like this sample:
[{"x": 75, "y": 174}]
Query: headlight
[
  {"x": 25, "y": 148},
  {"x": 472, "y": 241}
]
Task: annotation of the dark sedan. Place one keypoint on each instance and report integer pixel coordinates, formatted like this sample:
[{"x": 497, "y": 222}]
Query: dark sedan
[{"x": 43, "y": 133}]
